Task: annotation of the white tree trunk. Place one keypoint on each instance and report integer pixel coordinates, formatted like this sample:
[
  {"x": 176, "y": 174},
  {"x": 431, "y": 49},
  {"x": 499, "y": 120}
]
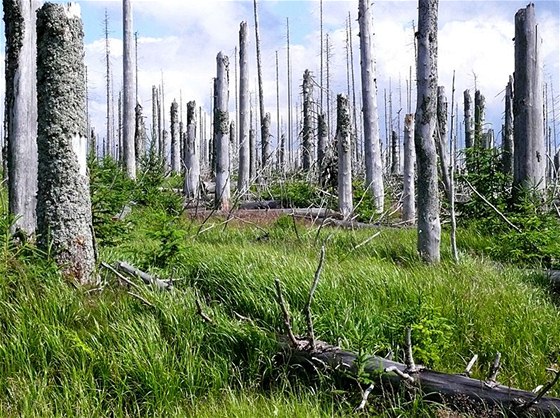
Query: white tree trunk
[
  {"x": 528, "y": 135},
  {"x": 372, "y": 151},
  {"x": 344, "y": 143},
  {"x": 307, "y": 131},
  {"x": 192, "y": 157},
  {"x": 221, "y": 129},
  {"x": 479, "y": 120},
  {"x": 409, "y": 198},
  {"x": 429, "y": 228},
  {"x": 129, "y": 120},
  {"x": 244, "y": 153},
  {"x": 175, "y": 146},
  {"x": 21, "y": 111},
  {"x": 64, "y": 221},
  {"x": 467, "y": 104}
]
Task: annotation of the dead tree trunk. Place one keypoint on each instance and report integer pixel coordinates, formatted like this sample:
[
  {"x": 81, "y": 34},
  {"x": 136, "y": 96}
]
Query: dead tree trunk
[
  {"x": 244, "y": 152},
  {"x": 429, "y": 228},
  {"x": 21, "y": 111},
  {"x": 192, "y": 157},
  {"x": 409, "y": 198},
  {"x": 395, "y": 151},
  {"x": 322, "y": 139},
  {"x": 221, "y": 129},
  {"x": 480, "y": 140},
  {"x": 175, "y": 135},
  {"x": 372, "y": 152},
  {"x": 139, "y": 135},
  {"x": 469, "y": 140},
  {"x": 64, "y": 221},
  {"x": 307, "y": 130},
  {"x": 507, "y": 131},
  {"x": 528, "y": 136},
  {"x": 252, "y": 149},
  {"x": 128, "y": 92},
  {"x": 344, "y": 143},
  {"x": 154, "y": 141},
  {"x": 441, "y": 140}
]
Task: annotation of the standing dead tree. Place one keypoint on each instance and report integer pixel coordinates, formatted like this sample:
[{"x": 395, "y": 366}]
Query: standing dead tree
[
  {"x": 139, "y": 134},
  {"x": 372, "y": 152},
  {"x": 468, "y": 119},
  {"x": 221, "y": 133},
  {"x": 409, "y": 208},
  {"x": 129, "y": 97},
  {"x": 307, "y": 130},
  {"x": 429, "y": 228},
  {"x": 507, "y": 131},
  {"x": 192, "y": 155},
  {"x": 480, "y": 138},
  {"x": 175, "y": 138},
  {"x": 529, "y": 150},
  {"x": 244, "y": 152},
  {"x": 344, "y": 143},
  {"x": 21, "y": 111},
  {"x": 64, "y": 220},
  {"x": 441, "y": 140}
]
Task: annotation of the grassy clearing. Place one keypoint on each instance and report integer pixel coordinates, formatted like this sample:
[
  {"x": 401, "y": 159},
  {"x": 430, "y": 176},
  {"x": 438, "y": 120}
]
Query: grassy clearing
[{"x": 92, "y": 352}]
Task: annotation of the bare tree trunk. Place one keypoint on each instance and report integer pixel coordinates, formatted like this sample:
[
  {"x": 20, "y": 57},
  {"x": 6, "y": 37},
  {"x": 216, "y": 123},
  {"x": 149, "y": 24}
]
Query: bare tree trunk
[
  {"x": 452, "y": 141},
  {"x": 441, "y": 140},
  {"x": 175, "y": 147},
  {"x": 409, "y": 198},
  {"x": 265, "y": 128},
  {"x": 139, "y": 134},
  {"x": 529, "y": 151},
  {"x": 429, "y": 228},
  {"x": 107, "y": 147},
  {"x": 507, "y": 131},
  {"x": 21, "y": 111},
  {"x": 480, "y": 140},
  {"x": 322, "y": 139},
  {"x": 344, "y": 143},
  {"x": 192, "y": 158},
  {"x": 154, "y": 142},
  {"x": 469, "y": 133},
  {"x": 161, "y": 149},
  {"x": 289, "y": 98},
  {"x": 354, "y": 104},
  {"x": 221, "y": 123},
  {"x": 232, "y": 147},
  {"x": 395, "y": 151},
  {"x": 372, "y": 155},
  {"x": 244, "y": 152},
  {"x": 128, "y": 92},
  {"x": 307, "y": 130},
  {"x": 64, "y": 220}
]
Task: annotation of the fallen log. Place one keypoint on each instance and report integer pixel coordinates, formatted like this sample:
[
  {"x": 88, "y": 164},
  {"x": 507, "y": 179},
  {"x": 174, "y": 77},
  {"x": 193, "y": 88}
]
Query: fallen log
[
  {"x": 261, "y": 204},
  {"x": 456, "y": 390},
  {"x": 145, "y": 277}
]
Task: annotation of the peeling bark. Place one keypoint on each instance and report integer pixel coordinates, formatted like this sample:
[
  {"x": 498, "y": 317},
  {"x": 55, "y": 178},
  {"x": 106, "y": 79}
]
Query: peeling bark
[
  {"x": 409, "y": 198},
  {"x": 221, "y": 129}
]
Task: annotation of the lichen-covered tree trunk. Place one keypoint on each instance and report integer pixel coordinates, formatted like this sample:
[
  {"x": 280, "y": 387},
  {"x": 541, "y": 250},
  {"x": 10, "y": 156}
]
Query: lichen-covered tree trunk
[
  {"x": 322, "y": 140},
  {"x": 192, "y": 157},
  {"x": 64, "y": 223},
  {"x": 244, "y": 152},
  {"x": 528, "y": 135},
  {"x": 395, "y": 154},
  {"x": 429, "y": 228},
  {"x": 21, "y": 111},
  {"x": 372, "y": 150},
  {"x": 409, "y": 155},
  {"x": 507, "y": 131},
  {"x": 128, "y": 147},
  {"x": 165, "y": 148},
  {"x": 480, "y": 140},
  {"x": 221, "y": 129},
  {"x": 139, "y": 134},
  {"x": 441, "y": 140},
  {"x": 344, "y": 144},
  {"x": 175, "y": 146},
  {"x": 307, "y": 130},
  {"x": 467, "y": 103}
]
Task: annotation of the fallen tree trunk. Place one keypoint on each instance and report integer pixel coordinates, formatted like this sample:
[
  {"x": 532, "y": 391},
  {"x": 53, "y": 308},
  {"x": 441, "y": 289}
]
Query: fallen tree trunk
[
  {"x": 146, "y": 278},
  {"x": 458, "y": 391}
]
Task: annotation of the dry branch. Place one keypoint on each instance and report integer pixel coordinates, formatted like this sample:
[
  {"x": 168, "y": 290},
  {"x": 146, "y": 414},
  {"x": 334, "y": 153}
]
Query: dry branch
[{"x": 146, "y": 278}]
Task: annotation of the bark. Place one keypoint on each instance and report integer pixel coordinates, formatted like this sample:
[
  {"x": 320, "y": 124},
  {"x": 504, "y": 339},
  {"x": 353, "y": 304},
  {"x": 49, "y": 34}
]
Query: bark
[
  {"x": 128, "y": 92},
  {"x": 469, "y": 138},
  {"x": 21, "y": 111},
  {"x": 139, "y": 134},
  {"x": 409, "y": 208},
  {"x": 372, "y": 152},
  {"x": 165, "y": 149},
  {"x": 395, "y": 151},
  {"x": 175, "y": 147},
  {"x": 528, "y": 134},
  {"x": 232, "y": 142},
  {"x": 322, "y": 139},
  {"x": 155, "y": 141},
  {"x": 64, "y": 221},
  {"x": 244, "y": 152},
  {"x": 344, "y": 143},
  {"x": 221, "y": 128},
  {"x": 480, "y": 140},
  {"x": 507, "y": 135},
  {"x": 307, "y": 131},
  {"x": 441, "y": 140},
  {"x": 429, "y": 228}
]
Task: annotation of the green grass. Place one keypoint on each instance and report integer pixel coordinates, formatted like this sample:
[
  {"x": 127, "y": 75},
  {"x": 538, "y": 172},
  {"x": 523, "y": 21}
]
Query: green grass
[{"x": 102, "y": 352}]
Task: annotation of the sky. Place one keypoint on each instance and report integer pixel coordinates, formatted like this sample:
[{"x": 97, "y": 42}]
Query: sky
[{"x": 178, "y": 41}]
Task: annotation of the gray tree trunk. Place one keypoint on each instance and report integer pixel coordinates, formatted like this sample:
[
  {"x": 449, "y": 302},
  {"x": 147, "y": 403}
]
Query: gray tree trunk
[
  {"x": 409, "y": 198},
  {"x": 395, "y": 157},
  {"x": 528, "y": 135},
  {"x": 469, "y": 133},
  {"x": 479, "y": 120},
  {"x": 221, "y": 129},
  {"x": 372, "y": 152},
  {"x": 307, "y": 131},
  {"x": 64, "y": 223},
  {"x": 155, "y": 134},
  {"x": 441, "y": 140},
  {"x": 232, "y": 144},
  {"x": 21, "y": 111},
  {"x": 429, "y": 228},
  {"x": 344, "y": 143},
  {"x": 165, "y": 149},
  {"x": 192, "y": 157},
  {"x": 129, "y": 96},
  {"x": 139, "y": 134},
  {"x": 322, "y": 140},
  {"x": 175, "y": 146},
  {"x": 244, "y": 152}
]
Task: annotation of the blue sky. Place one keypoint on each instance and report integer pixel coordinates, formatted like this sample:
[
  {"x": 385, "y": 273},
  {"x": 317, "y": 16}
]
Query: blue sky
[{"x": 179, "y": 39}]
